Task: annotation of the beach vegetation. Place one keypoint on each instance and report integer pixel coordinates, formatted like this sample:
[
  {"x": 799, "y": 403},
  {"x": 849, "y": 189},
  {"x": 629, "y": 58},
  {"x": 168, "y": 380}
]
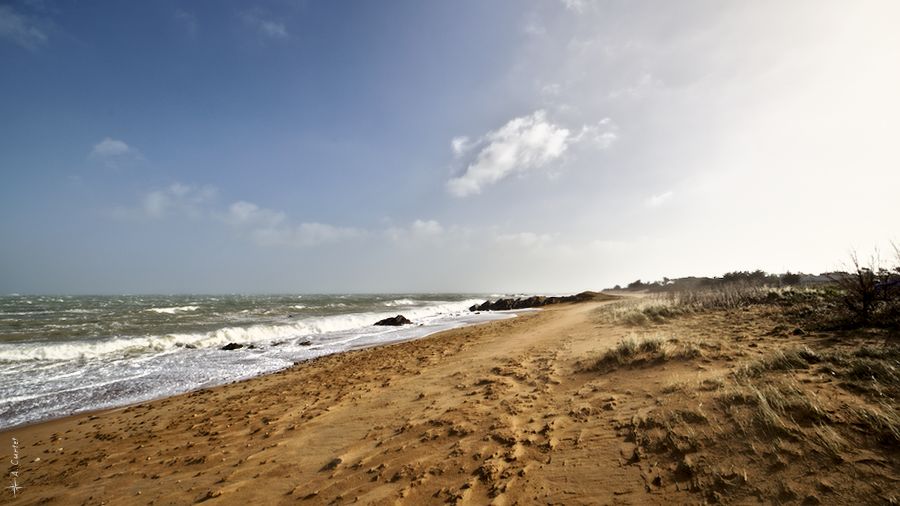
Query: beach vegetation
[{"x": 634, "y": 351}]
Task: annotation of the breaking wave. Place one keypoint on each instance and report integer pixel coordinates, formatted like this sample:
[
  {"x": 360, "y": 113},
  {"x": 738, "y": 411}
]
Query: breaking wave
[
  {"x": 173, "y": 310},
  {"x": 259, "y": 333}
]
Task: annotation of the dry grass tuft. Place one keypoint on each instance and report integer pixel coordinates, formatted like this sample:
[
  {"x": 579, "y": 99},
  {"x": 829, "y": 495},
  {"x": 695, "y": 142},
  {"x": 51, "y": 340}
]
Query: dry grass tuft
[
  {"x": 712, "y": 384},
  {"x": 774, "y": 406},
  {"x": 640, "y": 312},
  {"x": 880, "y": 420},
  {"x": 786, "y": 360},
  {"x": 647, "y": 350},
  {"x": 830, "y": 440}
]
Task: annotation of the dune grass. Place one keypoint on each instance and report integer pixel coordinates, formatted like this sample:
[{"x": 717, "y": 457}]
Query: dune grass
[
  {"x": 811, "y": 400},
  {"x": 657, "y": 308},
  {"x": 652, "y": 349}
]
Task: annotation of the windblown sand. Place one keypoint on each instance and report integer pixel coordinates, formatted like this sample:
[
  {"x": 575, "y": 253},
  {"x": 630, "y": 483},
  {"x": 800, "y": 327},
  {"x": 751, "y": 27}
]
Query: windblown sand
[{"x": 506, "y": 412}]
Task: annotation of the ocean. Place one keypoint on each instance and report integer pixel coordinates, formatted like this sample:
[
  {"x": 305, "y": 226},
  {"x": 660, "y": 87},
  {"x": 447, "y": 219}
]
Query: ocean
[{"x": 61, "y": 355}]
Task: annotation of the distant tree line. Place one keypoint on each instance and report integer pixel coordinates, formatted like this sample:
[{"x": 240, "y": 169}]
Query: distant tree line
[{"x": 757, "y": 278}]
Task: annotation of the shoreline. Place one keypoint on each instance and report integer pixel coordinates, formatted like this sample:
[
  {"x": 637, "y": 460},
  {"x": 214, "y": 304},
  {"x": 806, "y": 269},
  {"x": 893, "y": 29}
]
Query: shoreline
[
  {"x": 90, "y": 412},
  {"x": 64, "y": 376}
]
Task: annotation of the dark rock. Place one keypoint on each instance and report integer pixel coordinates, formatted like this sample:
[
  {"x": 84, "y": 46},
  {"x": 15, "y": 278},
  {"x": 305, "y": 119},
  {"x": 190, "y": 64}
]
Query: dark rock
[
  {"x": 305, "y": 343},
  {"x": 232, "y": 346},
  {"x": 536, "y": 301},
  {"x": 394, "y": 321}
]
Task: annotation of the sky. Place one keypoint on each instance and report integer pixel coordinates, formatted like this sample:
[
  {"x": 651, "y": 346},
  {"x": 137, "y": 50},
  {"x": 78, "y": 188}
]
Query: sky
[{"x": 467, "y": 146}]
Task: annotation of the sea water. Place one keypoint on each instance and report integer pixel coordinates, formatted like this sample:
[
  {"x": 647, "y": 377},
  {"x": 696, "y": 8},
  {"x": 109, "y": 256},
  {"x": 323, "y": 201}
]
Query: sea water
[{"x": 67, "y": 354}]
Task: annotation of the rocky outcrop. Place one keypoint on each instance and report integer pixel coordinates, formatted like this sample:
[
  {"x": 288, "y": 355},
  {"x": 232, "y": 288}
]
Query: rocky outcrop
[
  {"x": 394, "y": 321},
  {"x": 537, "y": 301},
  {"x": 232, "y": 346}
]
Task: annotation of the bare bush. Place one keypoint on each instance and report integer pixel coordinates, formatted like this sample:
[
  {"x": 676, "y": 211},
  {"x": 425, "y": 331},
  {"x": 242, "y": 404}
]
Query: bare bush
[{"x": 871, "y": 292}]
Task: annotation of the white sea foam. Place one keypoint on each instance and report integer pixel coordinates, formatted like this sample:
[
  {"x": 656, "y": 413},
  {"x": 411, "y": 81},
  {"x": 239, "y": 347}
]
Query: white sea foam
[
  {"x": 75, "y": 388},
  {"x": 261, "y": 333},
  {"x": 173, "y": 310},
  {"x": 299, "y": 306},
  {"x": 399, "y": 302}
]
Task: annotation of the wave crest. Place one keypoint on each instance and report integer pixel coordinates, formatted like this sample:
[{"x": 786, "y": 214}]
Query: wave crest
[
  {"x": 124, "y": 346},
  {"x": 172, "y": 310}
]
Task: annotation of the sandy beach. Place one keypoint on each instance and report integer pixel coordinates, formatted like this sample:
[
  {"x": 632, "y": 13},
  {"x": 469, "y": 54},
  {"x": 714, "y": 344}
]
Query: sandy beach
[
  {"x": 507, "y": 412},
  {"x": 539, "y": 252},
  {"x": 465, "y": 413}
]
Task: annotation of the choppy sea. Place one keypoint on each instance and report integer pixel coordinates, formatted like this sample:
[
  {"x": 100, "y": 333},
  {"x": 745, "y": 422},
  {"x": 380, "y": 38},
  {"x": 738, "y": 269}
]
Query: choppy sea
[{"x": 61, "y": 355}]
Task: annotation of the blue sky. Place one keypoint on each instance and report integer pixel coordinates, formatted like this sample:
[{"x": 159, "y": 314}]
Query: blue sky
[{"x": 294, "y": 146}]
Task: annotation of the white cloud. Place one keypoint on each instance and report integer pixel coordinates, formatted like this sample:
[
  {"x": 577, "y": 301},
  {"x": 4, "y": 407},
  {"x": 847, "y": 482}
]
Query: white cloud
[
  {"x": 110, "y": 147},
  {"x": 272, "y": 228},
  {"x": 113, "y": 152},
  {"x": 523, "y": 144},
  {"x": 264, "y": 25},
  {"x": 20, "y": 29},
  {"x": 659, "y": 199},
  {"x": 575, "y": 5},
  {"x": 460, "y": 145},
  {"x": 427, "y": 228},
  {"x": 267, "y": 227},
  {"x": 177, "y": 198},
  {"x": 247, "y": 213},
  {"x": 533, "y": 26},
  {"x": 602, "y": 134},
  {"x": 418, "y": 231},
  {"x": 311, "y": 234},
  {"x": 304, "y": 235},
  {"x": 155, "y": 204},
  {"x": 273, "y": 29}
]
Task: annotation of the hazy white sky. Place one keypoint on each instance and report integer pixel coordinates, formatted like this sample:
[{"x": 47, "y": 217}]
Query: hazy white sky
[{"x": 515, "y": 146}]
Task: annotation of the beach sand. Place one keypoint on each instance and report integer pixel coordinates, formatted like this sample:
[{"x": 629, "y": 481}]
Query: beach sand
[{"x": 504, "y": 413}]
